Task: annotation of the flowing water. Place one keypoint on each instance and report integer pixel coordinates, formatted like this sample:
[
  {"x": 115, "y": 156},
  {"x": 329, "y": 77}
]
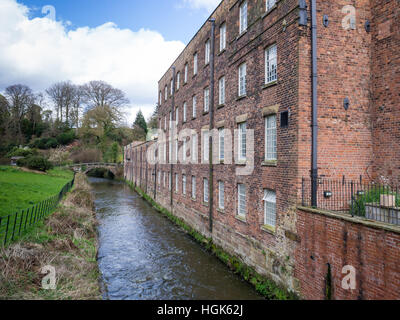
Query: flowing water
[{"x": 143, "y": 256}]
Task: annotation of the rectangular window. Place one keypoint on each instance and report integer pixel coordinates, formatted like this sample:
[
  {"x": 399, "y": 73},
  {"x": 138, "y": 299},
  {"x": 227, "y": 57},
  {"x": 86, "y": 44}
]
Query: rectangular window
[
  {"x": 178, "y": 80},
  {"x": 221, "y": 133},
  {"x": 164, "y": 179},
  {"x": 166, "y": 93},
  {"x": 195, "y": 64},
  {"x": 194, "y": 148},
  {"x": 170, "y": 119},
  {"x": 241, "y": 200},
  {"x": 207, "y": 52},
  {"x": 176, "y": 150},
  {"x": 269, "y": 208},
  {"x": 243, "y": 17},
  {"x": 242, "y": 80},
  {"x": 221, "y": 195},
  {"x": 170, "y": 151},
  {"x": 222, "y": 37},
  {"x": 176, "y": 182},
  {"x": 184, "y": 111},
  {"x": 222, "y": 91},
  {"x": 194, "y": 107},
  {"x": 165, "y": 151},
  {"x": 184, "y": 184},
  {"x": 186, "y": 72},
  {"x": 193, "y": 187},
  {"x": 242, "y": 141},
  {"x": 160, "y": 99},
  {"x": 159, "y": 177},
  {"x": 169, "y": 181},
  {"x": 205, "y": 188},
  {"x": 270, "y": 4},
  {"x": 206, "y": 144},
  {"x": 184, "y": 151},
  {"x": 271, "y": 62},
  {"x": 172, "y": 87},
  {"x": 206, "y": 99},
  {"x": 270, "y": 138},
  {"x": 177, "y": 115},
  {"x": 165, "y": 123}
]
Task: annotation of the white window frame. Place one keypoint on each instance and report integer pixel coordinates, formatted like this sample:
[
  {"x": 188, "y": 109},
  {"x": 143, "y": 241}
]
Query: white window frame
[
  {"x": 194, "y": 147},
  {"x": 176, "y": 182},
  {"x": 242, "y": 201},
  {"x": 194, "y": 101},
  {"x": 178, "y": 80},
  {"x": 243, "y": 17},
  {"x": 269, "y": 208},
  {"x": 271, "y": 137},
  {"x": 176, "y": 150},
  {"x": 166, "y": 93},
  {"x": 207, "y": 51},
  {"x": 177, "y": 115},
  {"x": 207, "y": 99},
  {"x": 221, "y": 195},
  {"x": 159, "y": 178},
  {"x": 205, "y": 190},
  {"x": 193, "y": 187},
  {"x": 242, "y": 79},
  {"x": 184, "y": 151},
  {"x": 221, "y": 144},
  {"x": 169, "y": 181},
  {"x": 165, "y": 179},
  {"x": 184, "y": 112},
  {"x": 172, "y": 87},
  {"x": 160, "y": 98},
  {"x": 222, "y": 37},
  {"x": 242, "y": 143},
  {"x": 271, "y": 64},
  {"x": 206, "y": 145},
  {"x": 170, "y": 151},
  {"x": 184, "y": 184},
  {"x": 195, "y": 63},
  {"x": 269, "y": 4},
  {"x": 186, "y": 72},
  {"x": 221, "y": 86},
  {"x": 170, "y": 119}
]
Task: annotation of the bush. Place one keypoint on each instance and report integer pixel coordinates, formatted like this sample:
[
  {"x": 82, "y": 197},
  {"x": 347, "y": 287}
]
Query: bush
[
  {"x": 18, "y": 152},
  {"x": 66, "y": 137},
  {"x": 51, "y": 143},
  {"x": 35, "y": 163}
]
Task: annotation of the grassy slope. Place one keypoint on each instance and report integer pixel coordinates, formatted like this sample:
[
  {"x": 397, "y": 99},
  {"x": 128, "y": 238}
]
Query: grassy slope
[{"x": 20, "y": 190}]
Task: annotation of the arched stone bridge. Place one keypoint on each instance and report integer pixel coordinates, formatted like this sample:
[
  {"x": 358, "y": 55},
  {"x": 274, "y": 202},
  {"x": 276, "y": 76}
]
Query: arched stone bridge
[{"x": 86, "y": 167}]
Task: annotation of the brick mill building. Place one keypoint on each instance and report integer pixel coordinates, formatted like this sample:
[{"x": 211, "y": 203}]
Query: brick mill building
[{"x": 321, "y": 102}]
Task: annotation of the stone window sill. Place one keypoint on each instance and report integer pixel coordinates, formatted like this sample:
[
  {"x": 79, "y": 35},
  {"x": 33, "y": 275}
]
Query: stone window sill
[
  {"x": 205, "y": 204},
  {"x": 270, "y": 84},
  {"x": 241, "y": 162},
  {"x": 270, "y": 163},
  {"x": 221, "y": 52},
  {"x": 220, "y": 106},
  {"x": 241, "y": 34},
  {"x": 241, "y": 219},
  {"x": 193, "y": 199},
  {"x": 221, "y": 211},
  {"x": 269, "y": 229},
  {"x": 241, "y": 97},
  {"x": 206, "y": 65},
  {"x": 205, "y": 113},
  {"x": 184, "y": 84}
]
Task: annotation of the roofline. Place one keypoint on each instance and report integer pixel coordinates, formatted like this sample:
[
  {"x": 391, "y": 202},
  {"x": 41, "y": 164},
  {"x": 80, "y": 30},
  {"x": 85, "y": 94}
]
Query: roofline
[{"x": 222, "y": 1}]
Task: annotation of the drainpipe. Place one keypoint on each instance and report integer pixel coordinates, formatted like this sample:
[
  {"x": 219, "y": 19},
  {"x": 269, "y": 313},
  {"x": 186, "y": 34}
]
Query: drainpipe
[
  {"x": 210, "y": 156},
  {"x": 314, "y": 165},
  {"x": 171, "y": 132}
]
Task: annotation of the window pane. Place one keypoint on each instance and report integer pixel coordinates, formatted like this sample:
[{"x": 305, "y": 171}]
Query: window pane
[
  {"x": 270, "y": 138},
  {"x": 242, "y": 141},
  {"x": 205, "y": 182},
  {"x": 221, "y": 144},
  {"x": 269, "y": 208},
  {"x": 221, "y": 190},
  {"x": 241, "y": 200}
]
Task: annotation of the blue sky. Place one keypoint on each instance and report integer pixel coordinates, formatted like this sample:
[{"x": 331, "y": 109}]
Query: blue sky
[
  {"x": 174, "y": 19},
  {"x": 129, "y": 44}
]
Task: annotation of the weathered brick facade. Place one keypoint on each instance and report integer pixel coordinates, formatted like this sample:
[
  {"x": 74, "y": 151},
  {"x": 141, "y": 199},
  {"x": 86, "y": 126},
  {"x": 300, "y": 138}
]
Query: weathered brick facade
[{"x": 362, "y": 141}]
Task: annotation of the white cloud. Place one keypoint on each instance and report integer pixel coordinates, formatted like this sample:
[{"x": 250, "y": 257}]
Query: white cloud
[
  {"x": 209, "y": 5},
  {"x": 39, "y": 51}
]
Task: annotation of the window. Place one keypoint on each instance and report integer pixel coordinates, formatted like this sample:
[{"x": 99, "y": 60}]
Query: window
[
  {"x": 165, "y": 123},
  {"x": 165, "y": 151},
  {"x": 243, "y": 17},
  {"x": 271, "y": 64},
  {"x": 194, "y": 148},
  {"x": 241, "y": 200},
  {"x": 206, "y": 143},
  {"x": 178, "y": 80},
  {"x": 222, "y": 91},
  {"x": 270, "y": 4},
  {"x": 169, "y": 181},
  {"x": 170, "y": 119},
  {"x": 186, "y": 72},
  {"x": 270, "y": 138},
  {"x": 184, "y": 151},
  {"x": 176, "y": 183},
  {"x": 242, "y": 141},
  {"x": 177, "y": 115},
  {"x": 269, "y": 208},
  {"x": 221, "y": 195},
  {"x": 170, "y": 151},
  {"x": 172, "y": 87},
  {"x": 206, "y": 99},
  {"x": 164, "y": 179},
  {"x": 205, "y": 188},
  {"x": 221, "y": 134},
  {"x": 193, "y": 187},
  {"x": 207, "y": 52},
  {"x": 194, "y": 106},
  {"x": 160, "y": 99},
  {"x": 159, "y": 177},
  {"x": 176, "y": 150},
  {"x": 166, "y": 93},
  {"x": 195, "y": 64},
  {"x": 222, "y": 37},
  {"x": 184, "y": 184},
  {"x": 242, "y": 80},
  {"x": 184, "y": 111}
]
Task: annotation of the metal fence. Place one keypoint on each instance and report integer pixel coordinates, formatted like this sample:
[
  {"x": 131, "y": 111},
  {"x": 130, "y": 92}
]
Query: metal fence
[
  {"x": 14, "y": 225},
  {"x": 372, "y": 201}
]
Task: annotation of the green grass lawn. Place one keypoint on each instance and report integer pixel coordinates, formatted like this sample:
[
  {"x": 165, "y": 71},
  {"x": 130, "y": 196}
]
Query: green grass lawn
[{"x": 21, "y": 190}]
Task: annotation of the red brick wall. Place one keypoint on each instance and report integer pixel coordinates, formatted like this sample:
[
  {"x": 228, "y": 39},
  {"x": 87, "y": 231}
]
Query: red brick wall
[{"x": 373, "y": 252}]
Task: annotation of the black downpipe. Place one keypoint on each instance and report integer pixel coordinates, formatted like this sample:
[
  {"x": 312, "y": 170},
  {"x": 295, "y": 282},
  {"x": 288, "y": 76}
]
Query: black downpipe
[
  {"x": 314, "y": 165},
  {"x": 172, "y": 133},
  {"x": 210, "y": 156}
]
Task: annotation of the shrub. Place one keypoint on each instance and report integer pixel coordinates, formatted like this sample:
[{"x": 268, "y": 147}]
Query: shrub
[
  {"x": 66, "y": 137},
  {"x": 51, "y": 143},
  {"x": 60, "y": 157},
  {"x": 35, "y": 163},
  {"x": 18, "y": 152}
]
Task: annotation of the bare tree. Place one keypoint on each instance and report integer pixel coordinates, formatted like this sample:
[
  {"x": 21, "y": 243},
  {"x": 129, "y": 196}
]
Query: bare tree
[
  {"x": 101, "y": 94},
  {"x": 20, "y": 99},
  {"x": 63, "y": 96}
]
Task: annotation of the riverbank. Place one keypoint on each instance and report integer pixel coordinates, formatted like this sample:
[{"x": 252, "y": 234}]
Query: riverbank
[
  {"x": 65, "y": 245},
  {"x": 264, "y": 286}
]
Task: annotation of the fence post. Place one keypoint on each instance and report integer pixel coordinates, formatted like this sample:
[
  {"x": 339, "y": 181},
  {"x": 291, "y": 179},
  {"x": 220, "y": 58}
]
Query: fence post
[
  {"x": 302, "y": 191},
  {"x": 15, "y": 223},
  {"x": 20, "y": 224},
  {"x": 352, "y": 198},
  {"x": 8, "y": 223}
]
